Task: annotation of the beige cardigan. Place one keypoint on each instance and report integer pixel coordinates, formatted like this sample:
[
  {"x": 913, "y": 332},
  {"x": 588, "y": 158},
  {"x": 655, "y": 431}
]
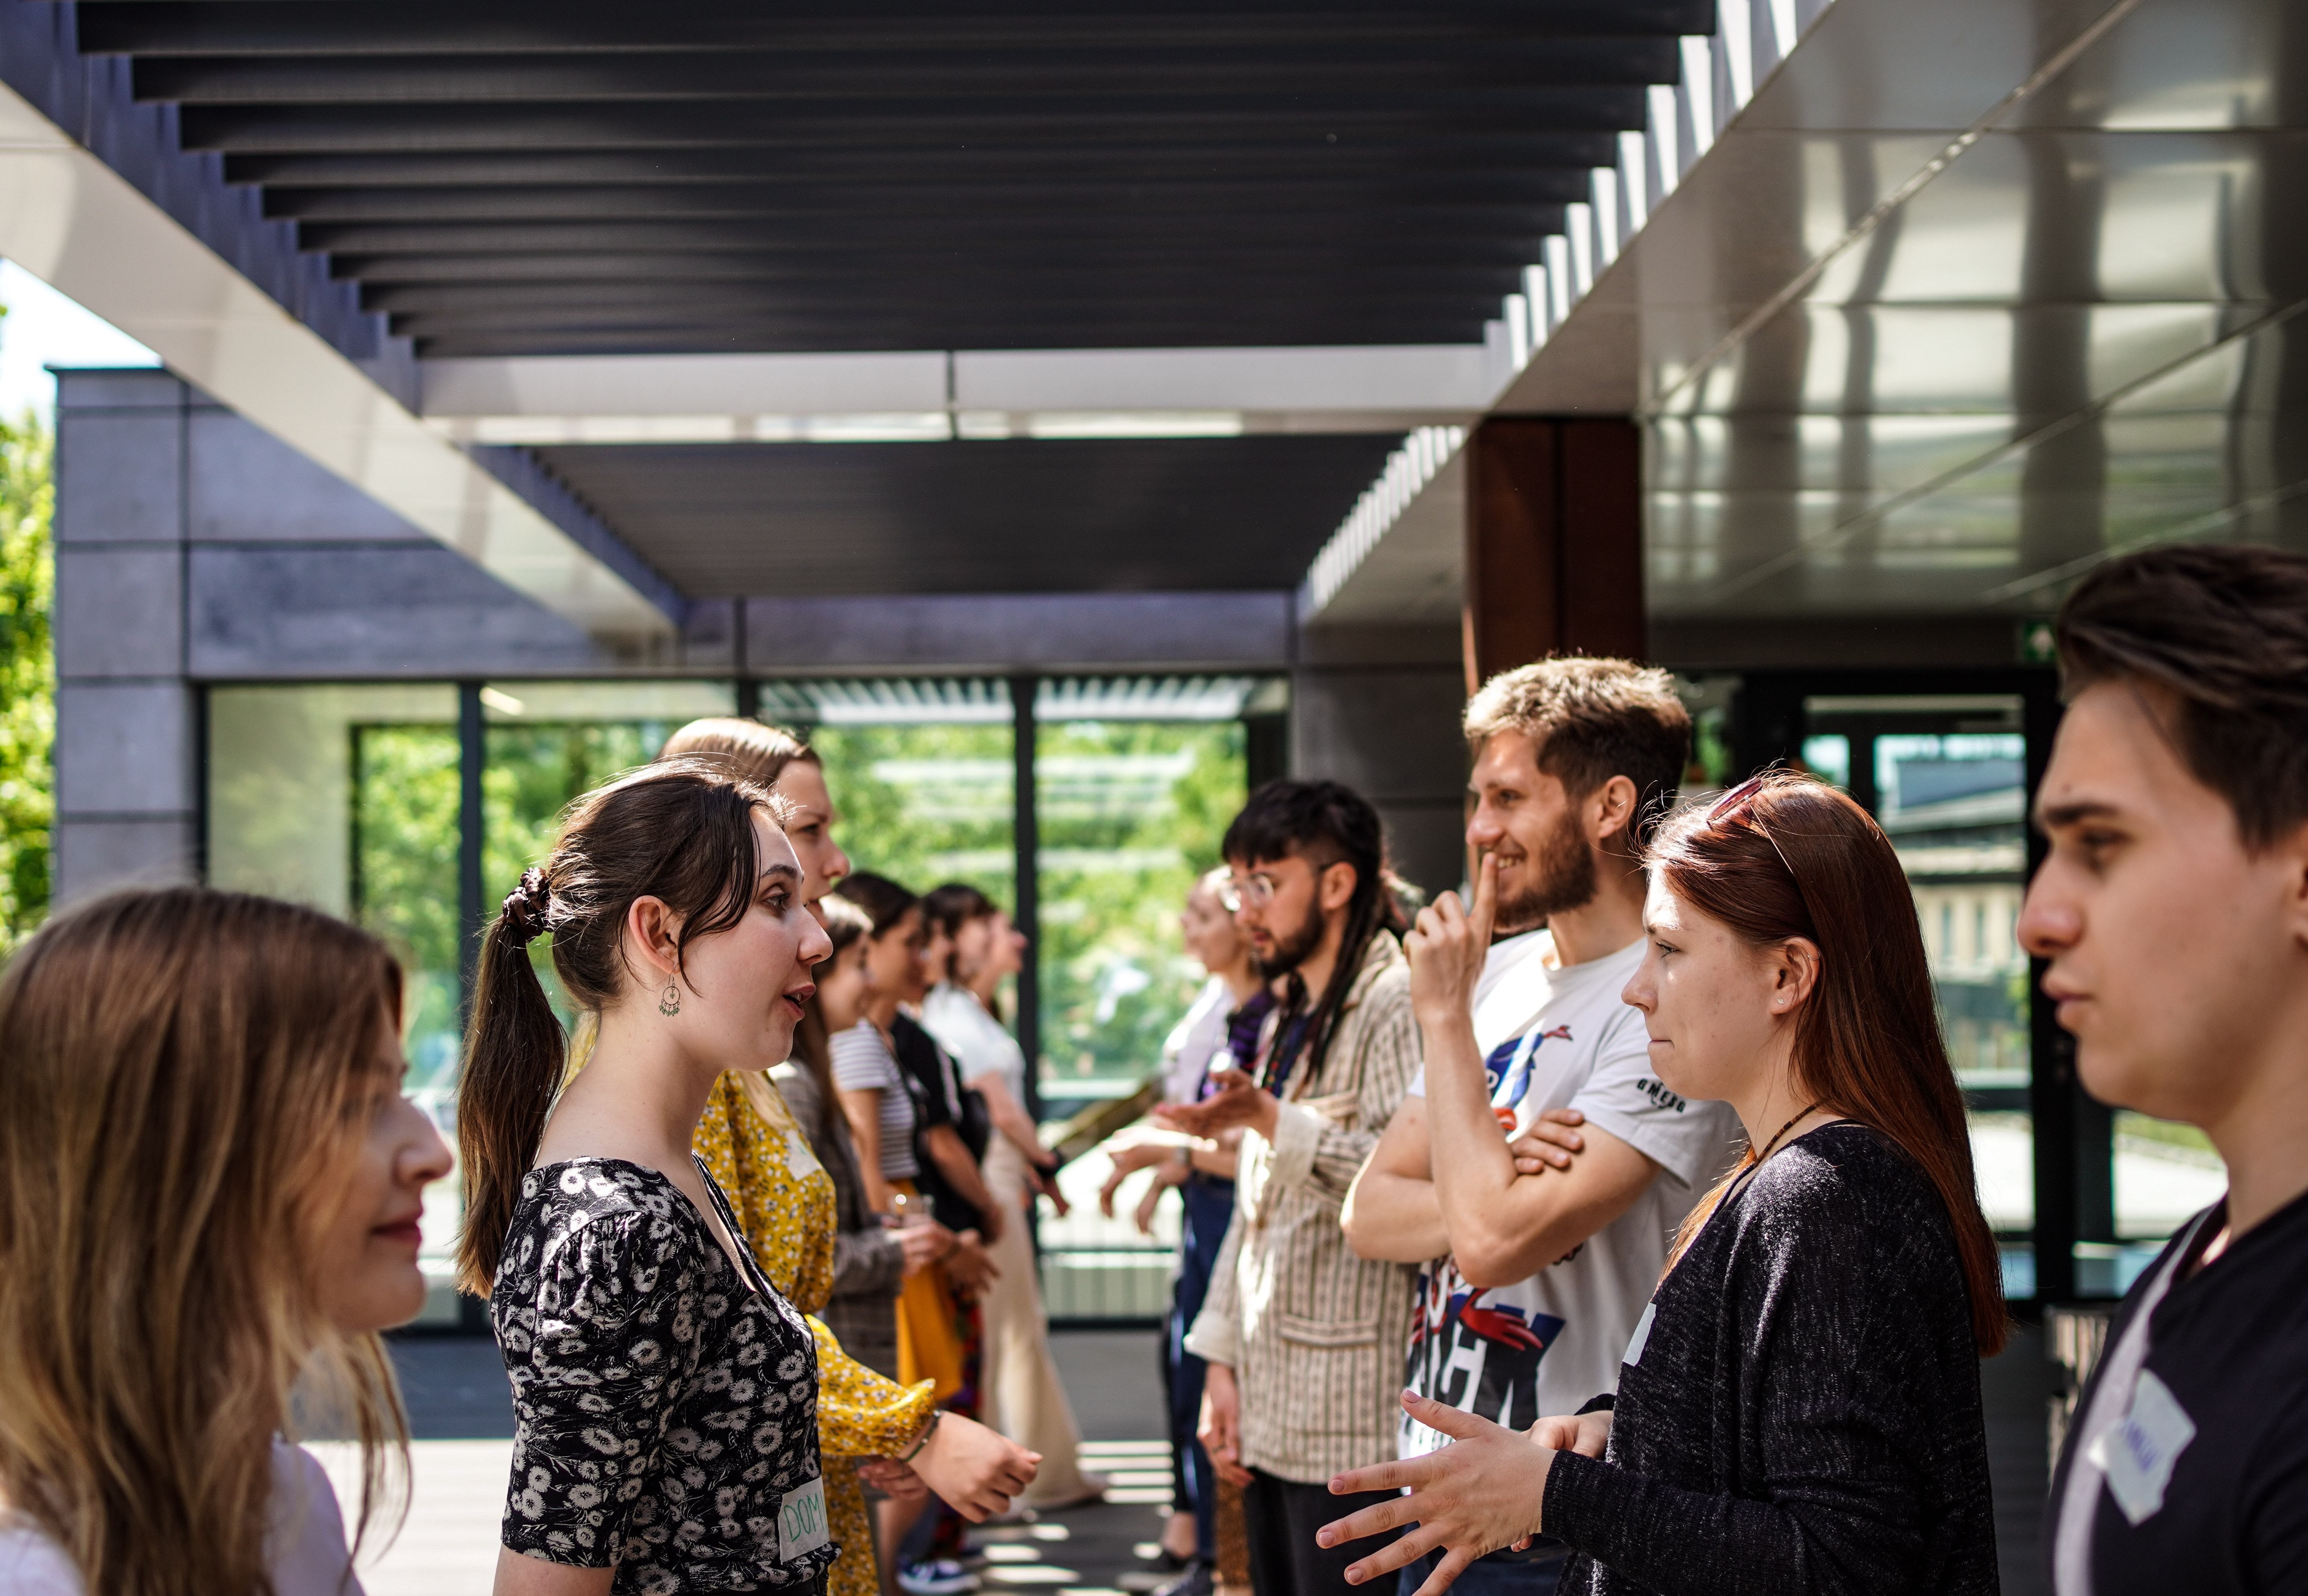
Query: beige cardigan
[{"x": 1315, "y": 1335}]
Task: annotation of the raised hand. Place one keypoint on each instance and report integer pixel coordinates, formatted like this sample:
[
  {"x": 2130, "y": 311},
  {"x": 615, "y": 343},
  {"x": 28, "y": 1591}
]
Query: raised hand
[
  {"x": 1448, "y": 946},
  {"x": 1479, "y": 1494},
  {"x": 1239, "y": 1101}
]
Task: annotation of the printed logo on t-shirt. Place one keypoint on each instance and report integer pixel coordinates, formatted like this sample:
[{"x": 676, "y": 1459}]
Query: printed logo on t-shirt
[
  {"x": 1480, "y": 1358},
  {"x": 1660, "y": 1094}
]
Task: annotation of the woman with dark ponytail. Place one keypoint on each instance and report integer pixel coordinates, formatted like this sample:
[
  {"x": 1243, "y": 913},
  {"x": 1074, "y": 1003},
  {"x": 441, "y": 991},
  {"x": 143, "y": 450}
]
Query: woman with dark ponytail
[{"x": 664, "y": 1393}]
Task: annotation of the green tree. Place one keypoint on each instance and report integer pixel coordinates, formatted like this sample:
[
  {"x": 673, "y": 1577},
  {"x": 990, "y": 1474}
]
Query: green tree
[{"x": 28, "y": 676}]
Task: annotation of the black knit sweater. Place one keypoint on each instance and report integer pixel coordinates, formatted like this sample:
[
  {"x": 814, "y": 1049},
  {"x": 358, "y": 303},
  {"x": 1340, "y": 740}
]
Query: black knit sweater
[{"x": 1804, "y": 1415}]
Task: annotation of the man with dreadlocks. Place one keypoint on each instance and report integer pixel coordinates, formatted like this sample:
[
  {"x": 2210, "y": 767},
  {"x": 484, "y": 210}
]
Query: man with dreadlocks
[{"x": 1303, "y": 1338}]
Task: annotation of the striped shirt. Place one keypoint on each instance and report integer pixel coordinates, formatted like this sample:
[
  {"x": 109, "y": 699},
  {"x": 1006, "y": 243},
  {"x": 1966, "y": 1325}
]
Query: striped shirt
[
  {"x": 863, "y": 1062},
  {"x": 1314, "y": 1334}
]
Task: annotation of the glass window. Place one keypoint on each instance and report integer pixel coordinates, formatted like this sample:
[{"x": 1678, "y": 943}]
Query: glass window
[
  {"x": 549, "y": 742},
  {"x": 1129, "y": 813},
  {"x": 346, "y": 798},
  {"x": 1946, "y": 777}
]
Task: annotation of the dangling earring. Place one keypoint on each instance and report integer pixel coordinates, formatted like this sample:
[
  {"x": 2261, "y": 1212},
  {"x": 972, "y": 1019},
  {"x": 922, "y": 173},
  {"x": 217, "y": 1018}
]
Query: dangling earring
[{"x": 669, "y": 1005}]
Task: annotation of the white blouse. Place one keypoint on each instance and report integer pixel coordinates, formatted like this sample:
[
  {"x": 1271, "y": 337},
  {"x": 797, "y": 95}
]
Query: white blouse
[
  {"x": 305, "y": 1542},
  {"x": 977, "y": 1040}
]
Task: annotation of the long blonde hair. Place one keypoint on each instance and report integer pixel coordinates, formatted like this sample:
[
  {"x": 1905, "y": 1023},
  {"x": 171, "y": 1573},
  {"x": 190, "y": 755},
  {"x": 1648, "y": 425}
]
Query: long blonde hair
[{"x": 180, "y": 1069}]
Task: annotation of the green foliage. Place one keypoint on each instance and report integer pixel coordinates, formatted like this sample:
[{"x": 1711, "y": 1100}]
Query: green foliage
[
  {"x": 406, "y": 796},
  {"x": 926, "y": 804},
  {"x": 1131, "y": 813},
  {"x": 28, "y": 676},
  {"x": 532, "y": 774}
]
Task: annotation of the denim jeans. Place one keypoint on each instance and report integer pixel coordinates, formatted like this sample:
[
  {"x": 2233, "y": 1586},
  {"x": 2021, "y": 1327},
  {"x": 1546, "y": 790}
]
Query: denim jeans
[{"x": 1506, "y": 1574}]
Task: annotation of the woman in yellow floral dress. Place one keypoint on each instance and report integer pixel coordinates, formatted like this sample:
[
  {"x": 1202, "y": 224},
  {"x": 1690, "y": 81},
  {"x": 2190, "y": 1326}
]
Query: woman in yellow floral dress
[{"x": 786, "y": 1202}]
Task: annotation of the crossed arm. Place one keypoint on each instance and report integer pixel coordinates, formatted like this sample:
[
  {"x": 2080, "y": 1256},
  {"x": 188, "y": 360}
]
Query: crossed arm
[
  {"x": 1443, "y": 1178},
  {"x": 1443, "y": 1181}
]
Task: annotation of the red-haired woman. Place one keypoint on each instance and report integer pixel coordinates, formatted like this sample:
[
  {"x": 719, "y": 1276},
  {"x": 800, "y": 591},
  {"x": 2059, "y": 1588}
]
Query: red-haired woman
[{"x": 1799, "y": 1407}]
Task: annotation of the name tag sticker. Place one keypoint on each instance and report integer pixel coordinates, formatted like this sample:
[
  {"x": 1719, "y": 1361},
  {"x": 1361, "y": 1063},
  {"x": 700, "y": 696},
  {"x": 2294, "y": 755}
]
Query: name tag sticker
[
  {"x": 802, "y": 1525},
  {"x": 801, "y": 1163},
  {"x": 2137, "y": 1455},
  {"x": 1641, "y": 1338}
]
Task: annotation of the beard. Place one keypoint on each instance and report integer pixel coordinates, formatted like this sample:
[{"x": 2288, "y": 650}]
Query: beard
[
  {"x": 1290, "y": 951},
  {"x": 1563, "y": 874}
]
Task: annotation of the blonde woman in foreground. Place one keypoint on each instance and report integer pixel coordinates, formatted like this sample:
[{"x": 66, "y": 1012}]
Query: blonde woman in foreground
[{"x": 210, "y": 1188}]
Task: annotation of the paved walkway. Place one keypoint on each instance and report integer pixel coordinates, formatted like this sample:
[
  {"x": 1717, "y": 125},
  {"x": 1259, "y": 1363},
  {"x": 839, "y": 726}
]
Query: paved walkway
[{"x": 463, "y": 1423}]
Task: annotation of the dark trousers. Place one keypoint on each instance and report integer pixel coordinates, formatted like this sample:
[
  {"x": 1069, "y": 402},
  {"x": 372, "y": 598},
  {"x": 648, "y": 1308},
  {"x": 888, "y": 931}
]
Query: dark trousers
[
  {"x": 1280, "y": 1517},
  {"x": 1501, "y": 1573},
  {"x": 1208, "y": 1208}
]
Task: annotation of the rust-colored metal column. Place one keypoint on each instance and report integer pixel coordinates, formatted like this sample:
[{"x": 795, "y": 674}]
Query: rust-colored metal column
[{"x": 1554, "y": 547}]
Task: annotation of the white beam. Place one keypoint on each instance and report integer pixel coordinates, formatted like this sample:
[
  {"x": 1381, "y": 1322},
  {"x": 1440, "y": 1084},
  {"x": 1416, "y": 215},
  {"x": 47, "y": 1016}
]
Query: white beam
[
  {"x": 933, "y": 395},
  {"x": 71, "y": 221}
]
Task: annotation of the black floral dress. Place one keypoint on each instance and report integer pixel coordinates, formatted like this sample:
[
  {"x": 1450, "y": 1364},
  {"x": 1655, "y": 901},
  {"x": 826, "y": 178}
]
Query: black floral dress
[{"x": 666, "y": 1406}]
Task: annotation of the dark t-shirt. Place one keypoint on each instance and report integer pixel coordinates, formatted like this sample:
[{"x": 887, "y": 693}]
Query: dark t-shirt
[
  {"x": 933, "y": 1081},
  {"x": 2230, "y": 1345}
]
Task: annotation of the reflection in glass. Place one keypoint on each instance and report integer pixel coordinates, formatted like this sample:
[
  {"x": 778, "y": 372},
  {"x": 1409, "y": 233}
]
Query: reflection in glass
[
  {"x": 1129, "y": 812},
  {"x": 1946, "y": 779},
  {"x": 2164, "y": 1174},
  {"x": 926, "y": 802}
]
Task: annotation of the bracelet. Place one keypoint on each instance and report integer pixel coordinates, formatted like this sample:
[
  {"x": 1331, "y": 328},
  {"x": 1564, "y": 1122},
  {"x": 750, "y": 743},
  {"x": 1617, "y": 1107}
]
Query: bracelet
[
  {"x": 1186, "y": 1154},
  {"x": 923, "y": 1439}
]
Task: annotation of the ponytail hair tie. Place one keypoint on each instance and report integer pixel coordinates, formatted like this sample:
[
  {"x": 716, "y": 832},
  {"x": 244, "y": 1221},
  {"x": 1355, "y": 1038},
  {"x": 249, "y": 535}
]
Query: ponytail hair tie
[{"x": 525, "y": 905}]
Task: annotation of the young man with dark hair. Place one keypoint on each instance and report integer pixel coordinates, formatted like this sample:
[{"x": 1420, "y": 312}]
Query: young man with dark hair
[
  {"x": 1538, "y": 1259},
  {"x": 1300, "y": 1335},
  {"x": 2172, "y": 907}
]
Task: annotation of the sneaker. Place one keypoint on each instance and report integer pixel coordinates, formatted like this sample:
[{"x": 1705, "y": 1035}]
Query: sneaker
[
  {"x": 1197, "y": 1581},
  {"x": 941, "y": 1577}
]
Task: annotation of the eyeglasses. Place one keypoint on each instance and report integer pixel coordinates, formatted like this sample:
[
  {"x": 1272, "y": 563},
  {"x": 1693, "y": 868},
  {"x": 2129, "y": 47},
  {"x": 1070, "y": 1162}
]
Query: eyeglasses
[{"x": 1257, "y": 892}]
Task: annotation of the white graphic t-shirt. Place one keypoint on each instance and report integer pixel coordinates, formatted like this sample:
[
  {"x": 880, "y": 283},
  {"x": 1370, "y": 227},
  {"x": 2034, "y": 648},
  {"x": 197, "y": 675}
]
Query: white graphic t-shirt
[{"x": 1563, "y": 1039}]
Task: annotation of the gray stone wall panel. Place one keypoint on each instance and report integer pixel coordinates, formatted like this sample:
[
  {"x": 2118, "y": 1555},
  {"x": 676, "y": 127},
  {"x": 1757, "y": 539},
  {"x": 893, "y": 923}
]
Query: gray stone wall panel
[
  {"x": 120, "y": 477},
  {"x": 93, "y": 856},
  {"x": 1051, "y": 632},
  {"x": 282, "y": 613},
  {"x": 245, "y": 486},
  {"x": 119, "y": 611},
  {"x": 1392, "y": 734},
  {"x": 123, "y": 749}
]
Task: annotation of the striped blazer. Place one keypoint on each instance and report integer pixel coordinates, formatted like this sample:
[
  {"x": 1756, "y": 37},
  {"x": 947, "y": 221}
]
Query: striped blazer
[{"x": 1314, "y": 1334}]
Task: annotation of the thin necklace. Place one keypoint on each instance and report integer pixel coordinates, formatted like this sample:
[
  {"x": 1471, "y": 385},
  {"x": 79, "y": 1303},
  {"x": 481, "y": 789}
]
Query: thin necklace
[
  {"x": 1770, "y": 1145},
  {"x": 1739, "y": 1181}
]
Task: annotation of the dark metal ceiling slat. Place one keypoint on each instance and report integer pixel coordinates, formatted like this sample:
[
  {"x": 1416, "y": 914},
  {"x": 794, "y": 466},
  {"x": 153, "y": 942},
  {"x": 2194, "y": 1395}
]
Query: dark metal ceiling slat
[
  {"x": 1401, "y": 69},
  {"x": 1518, "y": 234},
  {"x": 1432, "y": 201},
  {"x": 868, "y": 331},
  {"x": 338, "y": 28},
  {"x": 861, "y": 278},
  {"x": 1504, "y": 160},
  {"x": 545, "y": 126}
]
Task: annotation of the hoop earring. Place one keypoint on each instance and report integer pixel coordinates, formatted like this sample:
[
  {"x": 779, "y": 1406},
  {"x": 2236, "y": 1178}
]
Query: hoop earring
[{"x": 669, "y": 1005}]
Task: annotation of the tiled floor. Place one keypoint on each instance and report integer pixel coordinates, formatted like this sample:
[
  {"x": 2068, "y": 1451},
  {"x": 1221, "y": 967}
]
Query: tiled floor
[
  {"x": 458, "y": 1412},
  {"x": 464, "y": 1421}
]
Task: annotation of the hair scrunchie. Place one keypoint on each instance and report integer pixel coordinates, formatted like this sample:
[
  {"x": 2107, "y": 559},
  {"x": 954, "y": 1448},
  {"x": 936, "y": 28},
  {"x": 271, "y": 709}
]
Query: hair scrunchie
[{"x": 525, "y": 905}]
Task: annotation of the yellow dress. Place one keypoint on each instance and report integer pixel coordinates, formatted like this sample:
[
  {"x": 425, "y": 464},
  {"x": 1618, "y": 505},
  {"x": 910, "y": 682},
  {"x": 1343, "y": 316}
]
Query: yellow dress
[{"x": 758, "y": 1153}]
